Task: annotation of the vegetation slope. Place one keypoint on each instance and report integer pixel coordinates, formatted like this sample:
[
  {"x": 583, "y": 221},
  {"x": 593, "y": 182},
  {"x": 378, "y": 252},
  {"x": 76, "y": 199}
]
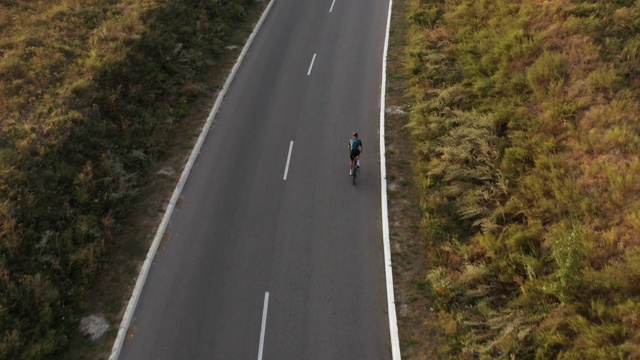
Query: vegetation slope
[
  {"x": 90, "y": 91},
  {"x": 525, "y": 125}
]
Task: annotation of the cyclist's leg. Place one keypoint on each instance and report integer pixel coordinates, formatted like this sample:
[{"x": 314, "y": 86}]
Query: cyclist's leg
[
  {"x": 350, "y": 164},
  {"x": 355, "y": 156}
]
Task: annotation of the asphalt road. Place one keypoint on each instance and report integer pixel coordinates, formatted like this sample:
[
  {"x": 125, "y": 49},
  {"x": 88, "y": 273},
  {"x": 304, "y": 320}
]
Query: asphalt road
[{"x": 265, "y": 260}]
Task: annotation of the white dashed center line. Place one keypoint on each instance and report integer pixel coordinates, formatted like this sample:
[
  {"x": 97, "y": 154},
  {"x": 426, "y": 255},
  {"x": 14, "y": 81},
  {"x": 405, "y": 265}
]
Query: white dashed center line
[
  {"x": 311, "y": 66},
  {"x": 264, "y": 322},
  {"x": 286, "y": 168}
]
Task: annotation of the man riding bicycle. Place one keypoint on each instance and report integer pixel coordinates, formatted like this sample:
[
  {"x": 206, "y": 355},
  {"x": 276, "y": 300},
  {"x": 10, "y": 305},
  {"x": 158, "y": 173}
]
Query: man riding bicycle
[{"x": 355, "y": 148}]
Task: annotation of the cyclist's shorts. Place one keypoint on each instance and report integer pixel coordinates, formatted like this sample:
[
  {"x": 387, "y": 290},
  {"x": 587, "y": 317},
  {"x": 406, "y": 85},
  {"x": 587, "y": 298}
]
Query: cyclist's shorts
[{"x": 354, "y": 153}]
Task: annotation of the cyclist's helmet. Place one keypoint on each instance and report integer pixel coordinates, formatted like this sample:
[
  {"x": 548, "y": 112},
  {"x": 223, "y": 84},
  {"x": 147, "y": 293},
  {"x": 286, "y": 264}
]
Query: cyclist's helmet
[{"x": 355, "y": 134}]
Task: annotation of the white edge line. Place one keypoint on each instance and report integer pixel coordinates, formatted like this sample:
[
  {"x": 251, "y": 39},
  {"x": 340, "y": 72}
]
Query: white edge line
[
  {"x": 393, "y": 321},
  {"x": 333, "y": 3},
  {"x": 263, "y": 327},
  {"x": 286, "y": 168},
  {"x": 144, "y": 271},
  {"x": 311, "y": 66}
]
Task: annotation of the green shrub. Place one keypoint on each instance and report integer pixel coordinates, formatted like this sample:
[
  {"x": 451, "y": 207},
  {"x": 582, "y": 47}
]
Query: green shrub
[
  {"x": 548, "y": 72},
  {"x": 424, "y": 15},
  {"x": 604, "y": 80}
]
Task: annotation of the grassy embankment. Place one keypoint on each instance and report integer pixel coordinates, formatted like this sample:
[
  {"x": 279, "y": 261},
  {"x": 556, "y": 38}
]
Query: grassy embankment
[
  {"x": 90, "y": 92},
  {"x": 525, "y": 122}
]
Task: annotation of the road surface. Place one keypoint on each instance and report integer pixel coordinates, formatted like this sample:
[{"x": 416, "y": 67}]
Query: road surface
[{"x": 272, "y": 252}]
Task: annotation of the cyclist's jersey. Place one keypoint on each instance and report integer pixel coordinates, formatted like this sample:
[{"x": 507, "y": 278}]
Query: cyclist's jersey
[{"x": 355, "y": 144}]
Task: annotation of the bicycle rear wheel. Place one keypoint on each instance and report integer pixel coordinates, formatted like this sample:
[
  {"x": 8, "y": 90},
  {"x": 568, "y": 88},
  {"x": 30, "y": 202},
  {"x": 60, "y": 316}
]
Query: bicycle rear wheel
[{"x": 354, "y": 171}]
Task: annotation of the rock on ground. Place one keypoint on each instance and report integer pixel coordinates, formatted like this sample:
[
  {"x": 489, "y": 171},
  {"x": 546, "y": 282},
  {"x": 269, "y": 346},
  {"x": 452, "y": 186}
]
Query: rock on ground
[{"x": 94, "y": 325}]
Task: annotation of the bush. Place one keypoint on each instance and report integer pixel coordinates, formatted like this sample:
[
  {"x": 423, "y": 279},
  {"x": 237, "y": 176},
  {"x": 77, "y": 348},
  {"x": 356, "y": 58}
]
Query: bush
[{"x": 547, "y": 72}]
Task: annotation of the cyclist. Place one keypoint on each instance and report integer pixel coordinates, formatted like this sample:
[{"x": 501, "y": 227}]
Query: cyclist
[{"x": 355, "y": 148}]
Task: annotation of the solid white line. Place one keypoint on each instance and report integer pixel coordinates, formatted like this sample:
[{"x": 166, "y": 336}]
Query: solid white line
[
  {"x": 264, "y": 324},
  {"x": 286, "y": 168},
  {"x": 311, "y": 66},
  {"x": 144, "y": 272},
  {"x": 333, "y": 3},
  {"x": 393, "y": 321}
]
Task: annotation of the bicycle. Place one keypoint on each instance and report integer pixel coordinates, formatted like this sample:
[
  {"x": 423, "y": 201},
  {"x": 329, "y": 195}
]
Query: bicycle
[{"x": 354, "y": 170}]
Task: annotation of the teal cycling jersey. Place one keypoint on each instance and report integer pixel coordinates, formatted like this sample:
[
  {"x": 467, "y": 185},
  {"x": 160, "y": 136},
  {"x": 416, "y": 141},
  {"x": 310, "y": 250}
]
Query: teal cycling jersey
[{"x": 355, "y": 143}]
